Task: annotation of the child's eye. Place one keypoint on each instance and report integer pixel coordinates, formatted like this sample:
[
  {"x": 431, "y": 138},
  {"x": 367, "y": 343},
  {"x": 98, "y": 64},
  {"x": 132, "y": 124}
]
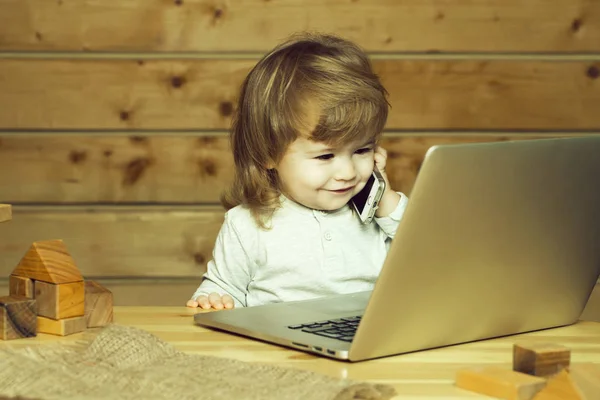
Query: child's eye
[
  {"x": 364, "y": 150},
  {"x": 324, "y": 157}
]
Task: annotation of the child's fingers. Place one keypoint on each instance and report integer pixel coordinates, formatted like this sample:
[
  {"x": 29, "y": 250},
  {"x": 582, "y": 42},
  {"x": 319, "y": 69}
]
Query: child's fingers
[
  {"x": 215, "y": 301},
  {"x": 228, "y": 301},
  {"x": 192, "y": 304},
  {"x": 380, "y": 158},
  {"x": 203, "y": 302},
  {"x": 381, "y": 151}
]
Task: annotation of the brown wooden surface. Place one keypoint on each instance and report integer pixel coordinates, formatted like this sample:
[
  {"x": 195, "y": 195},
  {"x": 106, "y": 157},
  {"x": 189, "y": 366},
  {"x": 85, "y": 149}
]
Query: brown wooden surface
[
  {"x": 200, "y": 94},
  {"x": 118, "y": 241},
  {"x": 84, "y": 167},
  {"x": 425, "y": 375},
  {"x": 61, "y": 327},
  {"x": 164, "y": 168},
  {"x": 17, "y": 317},
  {"x": 560, "y": 387},
  {"x": 540, "y": 359},
  {"x": 587, "y": 378},
  {"x": 500, "y": 383},
  {"x": 60, "y": 301},
  {"x": 98, "y": 304},
  {"x": 20, "y": 286},
  {"x": 5, "y": 209},
  {"x": 47, "y": 260},
  {"x": 256, "y": 25},
  {"x": 140, "y": 291}
]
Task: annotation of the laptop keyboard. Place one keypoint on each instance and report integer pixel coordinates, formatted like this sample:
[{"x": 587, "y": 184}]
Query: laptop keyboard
[{"x": 341, "y": 329}]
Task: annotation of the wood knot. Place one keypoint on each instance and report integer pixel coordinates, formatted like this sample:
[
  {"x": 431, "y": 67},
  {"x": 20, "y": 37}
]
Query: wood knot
[
  {"x": 218, "y": 13},
  {"x": 177, "y": 81},
  {"x": 107, "y": 153},
  {"x": 206, "y": 140},
  {"x": 199, "y": 259},
  {"x": 207, "y": 167},
  {"x": 388, "y": 40},
  {"x": 576, "y": 25},
  {"x": 178, "y": 2},
  {"x": 141, "y": 62},
  {"x": 124, "y": 115},
  {"x": 393, "y": 154},
  {"x": 77, "y": 157},
  {"x": 593, "y": 72},
  {"x": 439, "y": 16},
  {"x": 134, "y": 170},
  {"x": 226, "y": 108},
  {"x": 138, "y": 139},
  {"x": 38, "y": 36}
]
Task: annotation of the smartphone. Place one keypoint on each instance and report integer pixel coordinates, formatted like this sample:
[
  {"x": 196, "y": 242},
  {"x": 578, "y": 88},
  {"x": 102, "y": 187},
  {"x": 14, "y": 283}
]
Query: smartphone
[{"x": 366, "y": 201}]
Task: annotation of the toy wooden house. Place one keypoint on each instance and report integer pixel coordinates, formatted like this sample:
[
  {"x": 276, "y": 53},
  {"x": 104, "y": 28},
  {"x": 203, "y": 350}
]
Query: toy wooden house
[{"x": 48, "y": 274}]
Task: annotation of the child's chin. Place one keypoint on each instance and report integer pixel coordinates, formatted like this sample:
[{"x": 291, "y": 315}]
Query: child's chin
[{"x": 333, "y": 207}]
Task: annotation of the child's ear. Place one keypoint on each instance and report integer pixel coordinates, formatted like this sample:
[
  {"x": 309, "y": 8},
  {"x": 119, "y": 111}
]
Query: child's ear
[{"x": 270, "y": 165}]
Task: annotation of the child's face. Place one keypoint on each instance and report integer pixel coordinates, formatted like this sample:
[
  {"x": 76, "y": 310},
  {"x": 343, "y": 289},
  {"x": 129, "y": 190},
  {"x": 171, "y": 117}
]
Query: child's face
[{"x": 324, "y": 178}]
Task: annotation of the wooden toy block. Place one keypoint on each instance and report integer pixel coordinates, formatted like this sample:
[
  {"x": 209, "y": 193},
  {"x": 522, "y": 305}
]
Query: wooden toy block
[
  {"x": 17, "y": 317},
  {"x": 560, "y": 387},
  {"x": 48, "y": 261},
  {"x": 60, "y": 301},
  {"x": 540, "y": 359},
  {"x": 20, "y": 286},
  {"x": 587, "y": 378},
  {"x": 5, "y": 212},
  {"x": 98, "y": 305},
  {"x": 61, "y": 327},
  {"x": 500, "y": 383}
]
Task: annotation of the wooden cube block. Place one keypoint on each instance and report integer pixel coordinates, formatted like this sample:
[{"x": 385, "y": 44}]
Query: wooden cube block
[
  {"x": 540, "y": 359},
  {"x": 587, "y": 378},
  {"x": 5, "y": 212},
  {"x": 98, "y": 305},
  {"x": 500, "y": 383},
  {"x": 17, "y": 317},
  {"x": 61, "y": 327},
  {"x": 20, "y": 286},
  {"x": 560, "y": 387},
  {"x": 60, "y": 301}
]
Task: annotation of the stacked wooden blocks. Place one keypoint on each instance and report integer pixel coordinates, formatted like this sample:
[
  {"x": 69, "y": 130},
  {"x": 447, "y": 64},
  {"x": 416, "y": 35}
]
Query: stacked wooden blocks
[
  {"x": 541, "y": 371},
  {"x": 49, "y": 295}
]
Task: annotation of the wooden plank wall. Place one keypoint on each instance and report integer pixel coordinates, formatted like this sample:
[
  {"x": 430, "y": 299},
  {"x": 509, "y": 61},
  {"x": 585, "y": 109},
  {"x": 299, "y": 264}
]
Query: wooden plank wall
[{"x": 114, "y": 114}]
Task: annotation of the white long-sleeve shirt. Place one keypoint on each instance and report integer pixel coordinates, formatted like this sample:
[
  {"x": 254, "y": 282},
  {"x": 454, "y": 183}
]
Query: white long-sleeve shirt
[{"x": 306, "y": 254}]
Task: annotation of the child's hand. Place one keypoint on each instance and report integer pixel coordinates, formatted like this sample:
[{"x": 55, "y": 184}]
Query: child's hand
[
  {"x": 380, "y": 162},
  {"x": 389, "y": 200},
  {"x": 213, "y": 300}
]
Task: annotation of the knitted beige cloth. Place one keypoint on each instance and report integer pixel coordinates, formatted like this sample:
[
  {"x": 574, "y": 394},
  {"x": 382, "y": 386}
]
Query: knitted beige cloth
[{"x": 128, "y": 363}]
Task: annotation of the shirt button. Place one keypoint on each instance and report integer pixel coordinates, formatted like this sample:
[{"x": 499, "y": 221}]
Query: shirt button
[{"x": 328, "y": 236}]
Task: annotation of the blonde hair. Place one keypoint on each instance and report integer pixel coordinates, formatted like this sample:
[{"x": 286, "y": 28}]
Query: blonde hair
[{"x": 323, "y": 71}]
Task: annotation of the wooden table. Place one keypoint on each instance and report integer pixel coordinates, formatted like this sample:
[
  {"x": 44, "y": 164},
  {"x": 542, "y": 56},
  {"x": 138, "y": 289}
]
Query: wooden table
[{"x": 423, "y": 375}]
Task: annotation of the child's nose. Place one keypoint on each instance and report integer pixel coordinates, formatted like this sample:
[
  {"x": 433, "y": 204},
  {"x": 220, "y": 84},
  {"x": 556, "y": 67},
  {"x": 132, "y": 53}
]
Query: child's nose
[{"x": 346, "y": 171}]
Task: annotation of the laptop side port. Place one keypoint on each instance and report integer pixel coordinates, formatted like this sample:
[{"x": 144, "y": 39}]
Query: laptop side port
[
  {"x": 332, "y": 352},
  {"x": 300, "y": 345},
  {"x": 317, "y": 348}
]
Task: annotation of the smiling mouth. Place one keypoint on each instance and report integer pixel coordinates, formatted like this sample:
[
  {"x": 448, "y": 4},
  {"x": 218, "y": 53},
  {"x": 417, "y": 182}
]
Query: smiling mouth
[{"x": 343, "y": 190}]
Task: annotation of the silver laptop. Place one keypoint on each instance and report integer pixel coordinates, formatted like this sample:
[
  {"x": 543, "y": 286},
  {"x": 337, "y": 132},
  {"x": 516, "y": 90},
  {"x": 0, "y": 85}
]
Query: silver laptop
[{"x": 497, "y": 239}]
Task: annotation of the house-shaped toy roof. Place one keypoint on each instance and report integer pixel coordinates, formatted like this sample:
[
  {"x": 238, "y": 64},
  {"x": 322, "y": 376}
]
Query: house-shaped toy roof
[{"x": 48, "y": 261}]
